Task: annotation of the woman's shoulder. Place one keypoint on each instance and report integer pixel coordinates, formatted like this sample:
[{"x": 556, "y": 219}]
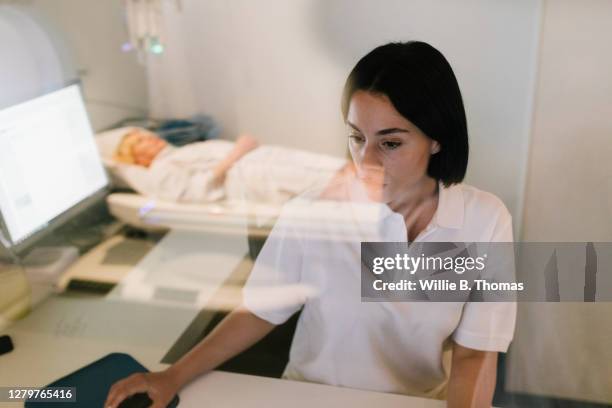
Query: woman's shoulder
[
  {"x": 474, "y": 215},
  {"x": 482, "y": 207}
]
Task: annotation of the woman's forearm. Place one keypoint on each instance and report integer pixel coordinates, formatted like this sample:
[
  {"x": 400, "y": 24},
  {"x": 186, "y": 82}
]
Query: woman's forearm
[
  {"x": 472, "y": 379},
  {"x": 237, "y": 332},
  {"x": 224, "y": 165},
  {"x": 244, "y": 145}
]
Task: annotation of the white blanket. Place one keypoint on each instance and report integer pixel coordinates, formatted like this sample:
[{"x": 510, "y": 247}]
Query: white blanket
[
  {"x": 274, "y": 174},
  {"x": 270, "y": 174}
]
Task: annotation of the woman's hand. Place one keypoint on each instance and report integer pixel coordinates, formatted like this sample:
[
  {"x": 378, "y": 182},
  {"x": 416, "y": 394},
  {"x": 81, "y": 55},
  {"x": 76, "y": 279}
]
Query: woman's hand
[
  {"x": 236, "y": 333},
  {"x": 160, "y": 386},
  {"x": 244, "y": 144}
]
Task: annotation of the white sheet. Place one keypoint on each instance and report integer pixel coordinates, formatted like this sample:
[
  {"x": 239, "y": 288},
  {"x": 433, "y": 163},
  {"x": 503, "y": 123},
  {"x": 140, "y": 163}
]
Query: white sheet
[{"x": 270, "y": 174}]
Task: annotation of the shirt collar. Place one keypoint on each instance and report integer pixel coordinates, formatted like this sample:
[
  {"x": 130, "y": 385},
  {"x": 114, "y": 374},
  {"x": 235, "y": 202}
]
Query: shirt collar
[
  {"x": 449, "y": 214},
  {"x": 451, "y": 207}
]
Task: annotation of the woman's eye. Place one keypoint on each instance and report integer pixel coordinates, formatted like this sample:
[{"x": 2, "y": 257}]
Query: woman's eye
[
  {"x": 356, "y": 138},
  {"x": 391, "y": 145}
]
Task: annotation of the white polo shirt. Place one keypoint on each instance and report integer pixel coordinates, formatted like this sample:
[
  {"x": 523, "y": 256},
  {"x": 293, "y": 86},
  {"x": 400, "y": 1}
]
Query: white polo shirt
[{"x": 398, "y": 347}]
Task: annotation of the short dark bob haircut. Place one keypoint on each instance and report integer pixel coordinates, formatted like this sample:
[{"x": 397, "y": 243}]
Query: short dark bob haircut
[{"x": 422, "y": 87}]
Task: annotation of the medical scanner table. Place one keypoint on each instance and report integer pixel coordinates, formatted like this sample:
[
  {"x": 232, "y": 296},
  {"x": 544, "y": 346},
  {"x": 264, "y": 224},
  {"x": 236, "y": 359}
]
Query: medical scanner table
[{"x": 225, "y": 216}]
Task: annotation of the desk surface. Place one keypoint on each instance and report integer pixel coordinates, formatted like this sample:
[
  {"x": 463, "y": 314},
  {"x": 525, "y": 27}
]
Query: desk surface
[
  {"x": 221, "y": 389},
  {"x": 45, "y": 351}
]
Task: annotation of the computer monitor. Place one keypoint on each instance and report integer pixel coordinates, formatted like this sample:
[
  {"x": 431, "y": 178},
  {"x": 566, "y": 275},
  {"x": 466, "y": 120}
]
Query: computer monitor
[{"x": 49, "y": 164}]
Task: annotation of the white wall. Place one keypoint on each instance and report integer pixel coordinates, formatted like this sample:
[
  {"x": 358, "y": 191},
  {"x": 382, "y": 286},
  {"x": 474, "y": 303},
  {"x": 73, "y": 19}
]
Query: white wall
[
  {"x": 569, "y": 187},
  {"x": 87, "y": 36},
  {"x": 563, "y": 350},
  {"x": 276, "y": 68}
]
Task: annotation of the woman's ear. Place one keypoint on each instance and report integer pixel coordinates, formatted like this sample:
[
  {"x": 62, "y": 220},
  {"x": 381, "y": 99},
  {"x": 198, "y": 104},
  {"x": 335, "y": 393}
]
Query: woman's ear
[{"x": 435, "y": 147}]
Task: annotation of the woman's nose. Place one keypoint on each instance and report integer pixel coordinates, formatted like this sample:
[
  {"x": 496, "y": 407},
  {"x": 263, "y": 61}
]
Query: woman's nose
[
  {"x": 369, "y": 157},
  {"x": 370, "y": 167}
]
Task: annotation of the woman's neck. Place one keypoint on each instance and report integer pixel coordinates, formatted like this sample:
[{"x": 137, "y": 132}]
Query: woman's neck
[
  {"x": 425, "y": 189},
  {"x": 418, "y": 206}
]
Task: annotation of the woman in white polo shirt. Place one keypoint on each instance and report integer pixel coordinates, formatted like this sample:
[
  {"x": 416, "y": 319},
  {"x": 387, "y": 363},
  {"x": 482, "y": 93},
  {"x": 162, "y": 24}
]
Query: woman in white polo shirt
[{"x": 408, "y": 140}]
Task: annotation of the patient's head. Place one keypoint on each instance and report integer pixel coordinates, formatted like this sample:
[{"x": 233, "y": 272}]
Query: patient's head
[{"x": 139, "y": 147}]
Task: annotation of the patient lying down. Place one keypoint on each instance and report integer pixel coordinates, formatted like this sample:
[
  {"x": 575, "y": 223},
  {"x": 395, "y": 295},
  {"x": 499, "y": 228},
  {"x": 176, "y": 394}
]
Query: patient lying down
[{"x": 218, "y": 169}]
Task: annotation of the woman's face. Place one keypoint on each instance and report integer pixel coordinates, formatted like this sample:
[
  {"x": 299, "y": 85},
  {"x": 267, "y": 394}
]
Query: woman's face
[
  {"x": 142, "y": 147},
  {"x": 390, "y": 153},
  {"x": 147, "y": 148}
]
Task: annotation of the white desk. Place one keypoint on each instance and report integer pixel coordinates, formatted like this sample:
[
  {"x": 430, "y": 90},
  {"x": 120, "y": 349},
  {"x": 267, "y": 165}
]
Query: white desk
[
  {"x": 220, "y": 389},
  {"x": 50, "y": 343},
  {"x": 64, "y": 334}
]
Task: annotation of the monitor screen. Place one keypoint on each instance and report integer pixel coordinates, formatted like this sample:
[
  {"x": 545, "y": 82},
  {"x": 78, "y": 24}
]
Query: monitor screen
[{"x": 49, "y": 162}]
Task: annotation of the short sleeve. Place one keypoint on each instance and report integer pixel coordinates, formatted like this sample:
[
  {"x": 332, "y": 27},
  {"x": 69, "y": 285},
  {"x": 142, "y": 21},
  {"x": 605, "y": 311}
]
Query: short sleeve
[
  {"x": 489, "y": 326},
  {"x": 274, "y": 290}
]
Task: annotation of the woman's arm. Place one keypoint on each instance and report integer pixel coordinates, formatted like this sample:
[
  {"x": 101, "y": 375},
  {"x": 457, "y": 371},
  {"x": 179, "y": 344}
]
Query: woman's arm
[
  {"x": 237, "y": 332},
  {"x": 244, "y": 144},
  {"x": 472, "y": 378}
]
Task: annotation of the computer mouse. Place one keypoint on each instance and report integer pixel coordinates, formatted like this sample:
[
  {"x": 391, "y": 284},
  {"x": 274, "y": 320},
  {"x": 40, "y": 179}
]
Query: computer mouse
[
  {"x": 140, "y": 400},
  {"x": 6, "y": 344}
]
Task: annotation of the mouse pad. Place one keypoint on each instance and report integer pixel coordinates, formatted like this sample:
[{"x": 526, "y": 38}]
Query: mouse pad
[{"x": 93, "y": 381}]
